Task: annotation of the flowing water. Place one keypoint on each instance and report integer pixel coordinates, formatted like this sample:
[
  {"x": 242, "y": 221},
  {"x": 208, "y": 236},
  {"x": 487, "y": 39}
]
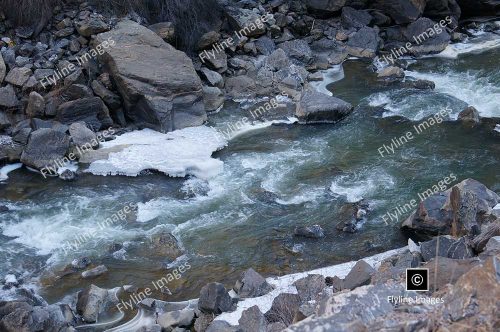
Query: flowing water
[{"x": 274, "y": 178}]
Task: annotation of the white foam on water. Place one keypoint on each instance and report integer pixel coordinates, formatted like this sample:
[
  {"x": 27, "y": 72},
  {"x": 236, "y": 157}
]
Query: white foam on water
[
  {"x": 244, "y": 127},
  {"x": 452, "y": 51},
  {"x": 378, "y": 99},
  {"x": 334, "y": 74},
  {"x": 5, "y": 170},
  {"x": 497, "y": 128},
  {"x": 355, "y": 188},
  {"x": 468, "y": 87},
  {"x": 310, "y": 195},
  {"x": 178, "y": 154}
]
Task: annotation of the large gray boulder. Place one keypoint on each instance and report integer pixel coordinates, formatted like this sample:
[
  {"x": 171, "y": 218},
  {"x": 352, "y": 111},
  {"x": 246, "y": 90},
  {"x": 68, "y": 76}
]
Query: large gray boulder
[
  {"x": 401, "y": 11},
  {"x": 252, "y": 284},
  {"x": 158, "y": 84},
  {"x": 214, "y": 299},
  {"x": 316, "y": 107},
  {"x": 92, "y": 111},
  {"x": 365, "y": 43},
  {"x": 424, "y": 38},
  {"x": 45, "y": 147},
  {"x": 463, "y": 209},
  {"x": 325, "y": 6}
]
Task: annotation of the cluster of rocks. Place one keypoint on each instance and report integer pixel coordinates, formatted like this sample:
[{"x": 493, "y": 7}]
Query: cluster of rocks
[{"x": 143, "y": 81}]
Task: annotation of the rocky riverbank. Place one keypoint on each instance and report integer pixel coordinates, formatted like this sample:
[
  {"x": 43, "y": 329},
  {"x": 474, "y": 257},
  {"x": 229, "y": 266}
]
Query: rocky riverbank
[
  {"x": 464, "y": 285},
  {"x": 116, "y": 75},
  {"x": 87, "y": 70}
]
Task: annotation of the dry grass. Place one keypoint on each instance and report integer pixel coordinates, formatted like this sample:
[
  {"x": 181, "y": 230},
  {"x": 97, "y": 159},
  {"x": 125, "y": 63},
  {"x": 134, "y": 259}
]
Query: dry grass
[
  {"x": 27, "y": 12},
  {"x": 191, "y": 18}
]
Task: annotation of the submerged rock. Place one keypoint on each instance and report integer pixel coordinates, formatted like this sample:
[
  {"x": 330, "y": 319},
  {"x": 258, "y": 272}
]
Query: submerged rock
[
  {"x": 313, "y": 231},
  {"x": 469, "y": 115}
]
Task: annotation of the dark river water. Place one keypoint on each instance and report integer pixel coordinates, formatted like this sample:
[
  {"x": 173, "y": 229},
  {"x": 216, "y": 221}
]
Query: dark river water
[{"x": 274, "y": 179}]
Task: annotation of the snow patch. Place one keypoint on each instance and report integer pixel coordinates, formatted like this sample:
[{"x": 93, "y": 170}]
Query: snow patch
[
  {"x": 285, "y": 285},
  {"x": 178, "y": 154}
]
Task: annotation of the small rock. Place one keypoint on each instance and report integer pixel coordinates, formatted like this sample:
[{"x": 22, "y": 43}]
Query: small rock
[
  {"x": 67, "y": 175},
  {"x": 313, "y": 231},
  {"x": 95, "y": 272},
  {"x": 208, "y": 39},
  {"x": 90, "y": 302},
  {"x": 309, "y": 287},
  {"x": 335, "y": 282},
  {"x": 36, "y": 105},
  {"x": 18, "y": 76},
  {"x": 8, "y": 97},
  {"x": 165, "y": 30},
  {"x": 391, "y": 71},
  {"x": 81, "y": 263}
]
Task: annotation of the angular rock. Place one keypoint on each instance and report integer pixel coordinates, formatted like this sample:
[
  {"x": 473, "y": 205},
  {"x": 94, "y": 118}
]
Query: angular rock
[
  {"x": 8, "y": 97},
  {"x": 252, "y": 320},
  {"x": 251, "y": 284},
  {"x": 364, "y": 43},
  {"x": 213, "y": 77},
  {"x": 315, "y": 107},
  {"x": 111, "y": 99},
  {"x": 401, "y": 11},
  {"x": 359, "y": 275},
  {"x": 213, "y": 98},
  {"x": 45, "y": 146},
  {"x": 36, "y": 105},
  {"x": 214, "y": 299},
  {"x": 298, "y": 50},
  {"x": 89, "y": 303},
  {"x": 165, "y": 30},
  {"x": 217, "y": 61},
  {"x": 92, "y": 111},
  {"x": 443, "y": 270},
  {"x": 221, "y": 326},
  {"x": 81, "y": 135},
  {"x": 208, "y": 39},
  {"x": 325, "y": 7},
  {"x": 166, "y": 93},
  {"x": 309, "y": 287},
  {"x": 240, "y": 87},
  {"x": 283, "y": 309},
  {"x": 91, "y": 26},
  {"x": 247, "y": 22},
  {"x": 352, "y": 18},
  {"x": 464, "y": 212},
  {"x": 18, "y": 76},
  {"x": 425, "y": 38}
]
